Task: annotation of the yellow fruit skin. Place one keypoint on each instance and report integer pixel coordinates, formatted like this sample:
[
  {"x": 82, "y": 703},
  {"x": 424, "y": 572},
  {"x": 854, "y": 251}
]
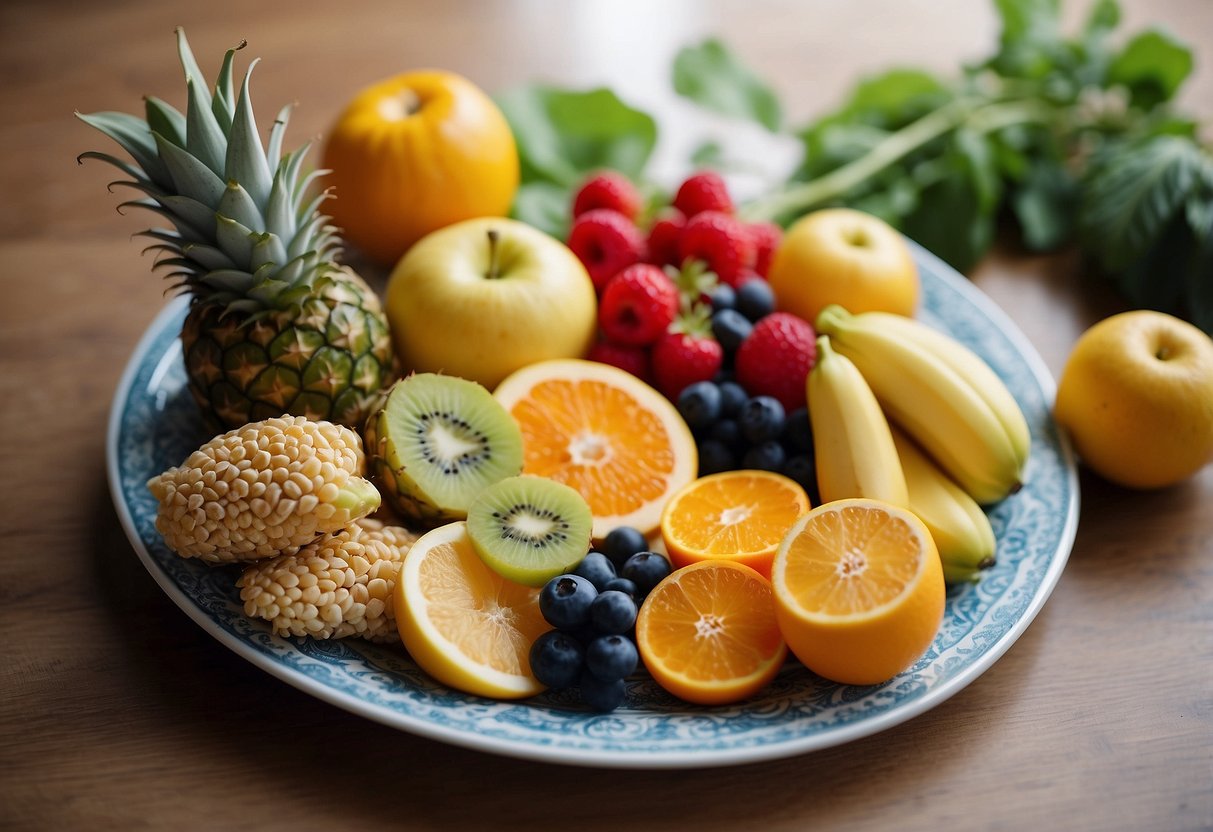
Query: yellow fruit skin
[
  {"x": 1136, "y": 397},
  {"x": 414, "y": 153},
  {"x": 843, "y": 256},
  {"x": 865, "y": 652}
]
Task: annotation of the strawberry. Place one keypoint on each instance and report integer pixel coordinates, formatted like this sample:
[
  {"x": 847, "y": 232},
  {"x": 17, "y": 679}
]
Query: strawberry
[
  {"x": 722, "y": 241},
  {"x": 634, "y": 360},
  {"x": 606, "y": 242},
  {"x": 637, "y": 305},
  {"x": 664, "y": 235},
  {"x": 776, "y": 358},
  {"x": 608, "y": 189},
  {"x": 687, "y": 353},
  {"x": 703, "y": 191},
  {"x": 766, "y": 237}
]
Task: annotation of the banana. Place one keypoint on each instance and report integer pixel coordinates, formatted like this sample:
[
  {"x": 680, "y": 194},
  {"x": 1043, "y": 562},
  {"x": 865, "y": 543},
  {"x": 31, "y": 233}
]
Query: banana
[
  {"x": 970, "y": 367},
  {"x": 851, "y": 438},
  {"x": 960, "y": 529},
  {"x": 932, "y": 402}
]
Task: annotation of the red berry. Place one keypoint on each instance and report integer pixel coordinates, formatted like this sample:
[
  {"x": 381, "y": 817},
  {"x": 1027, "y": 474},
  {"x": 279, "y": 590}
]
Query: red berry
[
  {"x": 606, "y": 242},
  {"x": 664, "y": 236},
  {"x": 704, "y": 191},
  {"x": 687, "y": 353},
  {"x": 766, "y": 237},
  {"x": 721, "y": 241},
  {"x": 776, "y": 358},
  {"x": 608, "y": 189},
  {"x": 634, "y": 360},
  {"x": 637, "y": 305}
]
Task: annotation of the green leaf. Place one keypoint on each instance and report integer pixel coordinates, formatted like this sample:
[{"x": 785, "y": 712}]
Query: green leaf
[
  {"x": 711, "y": 76},
  {"x": 562, "y": 135},
  {"x": 709, "y": 154},
  {"x": 1028, "y": 19},
  {"x": 545, "y": 206},
  {"x": 165, "y": 119},
  {"x": 1045, "y": 205},
  {"x": 1152, "y": 66},
  {"x": 1102, "y": 19}
]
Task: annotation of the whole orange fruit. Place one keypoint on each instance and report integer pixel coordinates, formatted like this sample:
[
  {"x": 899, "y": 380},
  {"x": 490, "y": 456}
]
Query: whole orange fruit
[
  {"x": 414, "y": 153},
  {"x": 843, "y": 256},
  {"x": 1136, "y": 396}
]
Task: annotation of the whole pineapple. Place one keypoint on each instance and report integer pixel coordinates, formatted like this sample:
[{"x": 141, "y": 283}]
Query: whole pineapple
[{"x": 275, "y": 325}]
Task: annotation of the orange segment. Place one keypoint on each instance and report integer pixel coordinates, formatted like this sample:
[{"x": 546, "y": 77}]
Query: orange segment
[
  {"x": 708, "y": 633},
  {"x": 463, "y": 623},
  {"x": 736, "y": 515},
  {"x": 859, "y": 590},
  {"x": 604, "y": 433}
]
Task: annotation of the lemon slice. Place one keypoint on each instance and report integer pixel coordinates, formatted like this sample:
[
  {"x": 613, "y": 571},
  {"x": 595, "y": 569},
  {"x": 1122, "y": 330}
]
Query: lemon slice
[{"x": 464, "y": 624}]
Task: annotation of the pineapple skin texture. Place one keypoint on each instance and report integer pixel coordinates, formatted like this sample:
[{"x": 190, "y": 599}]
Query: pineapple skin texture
[{"x": 326, "y": 359}]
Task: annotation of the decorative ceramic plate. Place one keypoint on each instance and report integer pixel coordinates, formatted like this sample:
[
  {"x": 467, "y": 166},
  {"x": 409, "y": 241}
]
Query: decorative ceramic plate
[{"x": 154, "y": 424}]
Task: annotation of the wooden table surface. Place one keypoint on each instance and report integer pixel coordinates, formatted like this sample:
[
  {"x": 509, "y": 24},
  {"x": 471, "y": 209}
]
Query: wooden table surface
[{"x": 118, "y": 712}]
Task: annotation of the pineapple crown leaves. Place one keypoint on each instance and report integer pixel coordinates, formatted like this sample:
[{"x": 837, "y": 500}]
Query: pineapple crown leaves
[{"x": 245, "y": 233}]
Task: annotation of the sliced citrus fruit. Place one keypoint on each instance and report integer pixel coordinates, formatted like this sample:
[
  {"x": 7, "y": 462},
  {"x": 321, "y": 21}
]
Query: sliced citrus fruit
[
  {"x": 604, "y": 433},
  {"x": 463, "y": 623},
  {"x": 858, "y": 590},
  {"x": 737, "y": 515},
  {"x": 708, "y": 634}
]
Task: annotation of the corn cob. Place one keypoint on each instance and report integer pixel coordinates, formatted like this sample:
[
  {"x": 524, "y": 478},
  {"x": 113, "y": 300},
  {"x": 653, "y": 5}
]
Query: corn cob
[{"x": 262, "y": 490}]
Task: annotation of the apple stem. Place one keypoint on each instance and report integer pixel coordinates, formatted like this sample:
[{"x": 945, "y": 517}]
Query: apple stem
[{"x": 494, "y": 268}]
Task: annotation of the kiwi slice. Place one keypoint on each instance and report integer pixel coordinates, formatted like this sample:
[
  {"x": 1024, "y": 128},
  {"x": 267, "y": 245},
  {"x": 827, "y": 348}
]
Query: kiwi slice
[
  {"x": 436, "y": 443},
  {"x": 530, "y": 529}
]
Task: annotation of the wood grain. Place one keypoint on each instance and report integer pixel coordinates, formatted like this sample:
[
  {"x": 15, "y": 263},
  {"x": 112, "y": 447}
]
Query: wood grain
[{"x": 119, "y": 713}]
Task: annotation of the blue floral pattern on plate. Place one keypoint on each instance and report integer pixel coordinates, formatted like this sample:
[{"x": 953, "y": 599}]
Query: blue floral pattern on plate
[{"x": 154, "y": 424}]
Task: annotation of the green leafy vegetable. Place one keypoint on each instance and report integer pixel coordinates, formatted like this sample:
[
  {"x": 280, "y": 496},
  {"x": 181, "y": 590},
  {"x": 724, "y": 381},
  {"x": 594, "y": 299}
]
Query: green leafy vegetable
[{"x": 712, "y": 77}]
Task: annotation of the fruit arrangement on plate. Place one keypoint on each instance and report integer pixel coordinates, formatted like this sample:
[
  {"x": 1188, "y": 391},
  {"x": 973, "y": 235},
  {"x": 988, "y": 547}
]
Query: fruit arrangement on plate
[{"x": 674, "y": 440}]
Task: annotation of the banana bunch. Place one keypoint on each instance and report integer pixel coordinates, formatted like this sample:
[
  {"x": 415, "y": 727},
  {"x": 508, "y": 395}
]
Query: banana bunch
[
  {"x": 941, "y": 394},
  {"x": 958, "y": 438}
]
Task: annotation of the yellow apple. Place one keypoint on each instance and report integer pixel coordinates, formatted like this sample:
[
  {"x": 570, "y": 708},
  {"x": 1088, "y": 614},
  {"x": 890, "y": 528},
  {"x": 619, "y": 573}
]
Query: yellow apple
[
  {"x": 843, "y": 256},
  {"x": 1136, "y": 397},
  {"x": 484, "y": 297}
]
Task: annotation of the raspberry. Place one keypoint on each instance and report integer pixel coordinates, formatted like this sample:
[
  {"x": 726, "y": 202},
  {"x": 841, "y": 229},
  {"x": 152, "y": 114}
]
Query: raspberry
[
  {"x": 608, "y": 189},
  {"x": 637, "y": 305},
  {"x": 776, "y": 359},
  {"x": 634, "y": 360},
  {"x": 766, "y": 237},
  {"x": 664, "y": 235},
  {"x": 687, "y": 353},
  {"x": 704, "y": 191},
  {"x": 606, "y": 242},
  {"x": 723, "y": 242}
]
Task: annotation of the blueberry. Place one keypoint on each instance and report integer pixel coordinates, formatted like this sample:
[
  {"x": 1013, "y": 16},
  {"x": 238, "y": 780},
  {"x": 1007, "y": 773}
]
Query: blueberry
[
  {"x": 646, "y": 569},
  {"x": 623, "y": 585},
  {"x": 714, "y": 457},
  {"x": 730, "y": 328},
  {"x": 565, "y": 601},
  {"x": 766, "y": 456},
  {"x": 601, "y": 695},
  {"x": 557, "y": 659},
  {"x": 732, "y": 397},
  {"x": 612, "y": 612},
  {"x": 801, "y": 468},
  {"x": 797, "y": 431},
  {"x": 699, "y": 403},
  {"x": 621, "y": 543},
  {"x": 726, "y": 431},
  {"x": 611, "y": 657},
  {"x": 755, "y": 299},
  {"x": 722, "y": 297},
  {"x": 597, "y": 569},
  {"x": 761, "y": 418}
]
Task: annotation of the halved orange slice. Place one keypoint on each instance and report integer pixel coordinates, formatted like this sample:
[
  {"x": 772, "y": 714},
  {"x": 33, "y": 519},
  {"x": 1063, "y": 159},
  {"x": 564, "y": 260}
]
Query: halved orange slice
[
  {"x": 604, "y": 433},
  {"x": 708, "y": 633},
  {"x": 464, "y": 624},
  {"x": 736, "y": 515},
  {"x": 858, "y": 590}
]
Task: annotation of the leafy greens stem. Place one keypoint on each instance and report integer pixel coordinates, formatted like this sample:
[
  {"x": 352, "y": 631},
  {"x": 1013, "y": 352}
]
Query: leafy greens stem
[{"x": 984, "y": 118}]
